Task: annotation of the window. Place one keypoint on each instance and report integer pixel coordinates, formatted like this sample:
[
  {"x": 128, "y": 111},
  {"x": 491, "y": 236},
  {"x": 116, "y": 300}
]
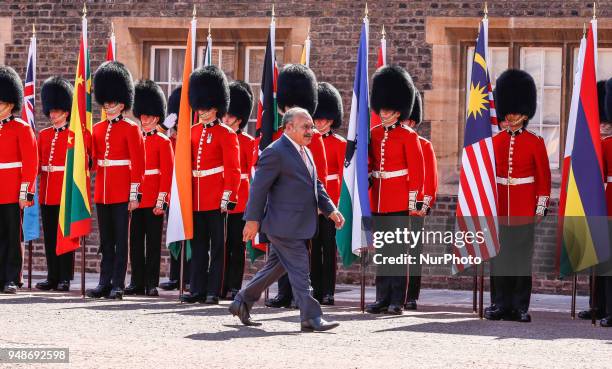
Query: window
[
  {"x": 604, "y": 62},
  {"x": 545, "y": 66}
]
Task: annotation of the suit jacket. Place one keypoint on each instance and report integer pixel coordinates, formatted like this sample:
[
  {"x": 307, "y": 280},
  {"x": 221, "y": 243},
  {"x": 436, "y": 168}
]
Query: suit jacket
[{"x": 284, "y": 196}]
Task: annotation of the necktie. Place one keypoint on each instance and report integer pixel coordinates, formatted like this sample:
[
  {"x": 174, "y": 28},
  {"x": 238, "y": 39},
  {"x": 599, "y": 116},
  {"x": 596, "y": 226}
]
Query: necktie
[{"x": 306, "y": 161}]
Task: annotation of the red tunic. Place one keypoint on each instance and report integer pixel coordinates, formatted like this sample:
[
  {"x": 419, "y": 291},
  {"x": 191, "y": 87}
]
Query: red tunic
[
  {"x": 119, "y": 160},
  {"x": 158, "y": 173},
  {"x": 246, "y": 145},
  {"x": 18, "y": 160},
  {"x": 523, "y": 173},
  {"x": 52, "y": 146},
  {"x": 335, "y": 151},
  {"x": 215, "y": 162},
  {"x": 430, "y": 186},
  {"x": 606, "y": 145},
  {"x": 396, "y": 165}
]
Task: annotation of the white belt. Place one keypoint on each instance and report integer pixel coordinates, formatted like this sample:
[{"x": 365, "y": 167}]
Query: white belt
[
  {"x": 113, "y": 163},
  {"x": 52, "y": 168},
  {"x": 387, "y": 175},
  {"x": 16, "y": 164},
  {"x": 244, "y": 176},
  {"x": 150, "y": 172},
  {"x": 331, "y": 177},
  {"x": 609, "y": 179},
  {"x": 207, "y": 172},
  {"x": 514, "y": 181}
]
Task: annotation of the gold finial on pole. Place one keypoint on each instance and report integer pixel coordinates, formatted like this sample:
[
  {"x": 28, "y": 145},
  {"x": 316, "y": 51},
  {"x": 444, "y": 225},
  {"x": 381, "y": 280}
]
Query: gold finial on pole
[
  {"x": 308, "y": 37},
  {"x": 366, "y": 9},
  {"x": 383, "y": 33},
  {"x": 34, "y": 29},
  {"x": 583, "y": 29},
  {"x": 594, "y": 10},
  {"x": 112, "y": 29},
  {"x": 273, "y": 14},
  {"x": 84, "y": 9},
  {"x": 209, "y": 29},
  {"x": 486, "y": 10},
  {"x": 194, "y": 11}
]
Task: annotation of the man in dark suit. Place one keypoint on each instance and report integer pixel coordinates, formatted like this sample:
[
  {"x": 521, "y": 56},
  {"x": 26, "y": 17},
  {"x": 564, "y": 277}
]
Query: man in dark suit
[{"x": 284, "y": 200}]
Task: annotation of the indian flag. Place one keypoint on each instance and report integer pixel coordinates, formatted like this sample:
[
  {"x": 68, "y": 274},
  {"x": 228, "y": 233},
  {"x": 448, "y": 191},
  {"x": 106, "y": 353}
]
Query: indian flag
[
  {"x": 354, "y": 199},
  {"x": 180, "y": 216},
  {"x": 75, "y": 207}
]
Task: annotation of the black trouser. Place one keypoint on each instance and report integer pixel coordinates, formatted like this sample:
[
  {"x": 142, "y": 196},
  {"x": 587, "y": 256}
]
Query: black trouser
[
  {"x": 145, "y": 247},
  {"x": 511, "y": 268},
  {"x": 323, "y": 259},
  {"x": 59, "y": 267},
  {"x": 175, "y": 267},
  {"x": 113, "y": 221},
  {"x": 414, "y": 270},
  {"x": 208, "y": 233},
  {"x": 234, "y": 253},
  {"x": 391, "y": 286},
  {"x": 10, "y": 243}
]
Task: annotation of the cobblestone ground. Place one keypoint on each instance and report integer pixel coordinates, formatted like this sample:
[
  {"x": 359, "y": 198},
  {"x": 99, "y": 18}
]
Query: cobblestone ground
[{"x": 161, "y": 333}]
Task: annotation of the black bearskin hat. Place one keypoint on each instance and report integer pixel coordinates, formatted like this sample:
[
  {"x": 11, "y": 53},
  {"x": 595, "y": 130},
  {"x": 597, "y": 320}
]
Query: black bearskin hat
[
  {"x": 329, "y": 105},
  {"x": 515, "y": 93},
  {"x": 56, "y": 93},
  {"x": 208, "y": 88},
  {"x": 297, "y": 86},
  {"x": 417, "y": 110},
  {"x": 113, "y": 83},
  {"x": 393, "y": 89},
  {"x": 241, "y": 101},
  {"x": 11, "y": 88},
  {"x": 601, "y": 98},
  {"x": 149, "y": 99},
  {"x": 608, "y": 108}
]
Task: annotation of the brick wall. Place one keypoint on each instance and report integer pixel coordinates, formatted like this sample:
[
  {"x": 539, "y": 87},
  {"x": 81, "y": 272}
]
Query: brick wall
[{"x": 335, "y": 30}]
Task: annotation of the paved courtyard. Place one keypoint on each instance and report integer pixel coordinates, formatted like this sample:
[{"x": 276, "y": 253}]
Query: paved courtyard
[{"x": 161, "y": 333}]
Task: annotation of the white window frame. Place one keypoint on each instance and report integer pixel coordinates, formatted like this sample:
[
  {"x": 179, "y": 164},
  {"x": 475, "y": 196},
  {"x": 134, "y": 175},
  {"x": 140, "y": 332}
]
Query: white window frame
[
  {"x": 164, "y": 85},
  {"x": 200, "y": 51}
]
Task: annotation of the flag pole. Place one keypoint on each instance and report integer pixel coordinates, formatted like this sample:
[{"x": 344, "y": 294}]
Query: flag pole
[
  {"x": 481, "y": 302},
  {"x": 182, "y": 269},
  {"x": 475, "y": 290},
  {"x": 593, "y": 295},
  {"x": 573, "y": 307},
  {"x": 364, "y": 256},
  {"x": 30, "y": 265},
  {"x": 83, "y": 266}
]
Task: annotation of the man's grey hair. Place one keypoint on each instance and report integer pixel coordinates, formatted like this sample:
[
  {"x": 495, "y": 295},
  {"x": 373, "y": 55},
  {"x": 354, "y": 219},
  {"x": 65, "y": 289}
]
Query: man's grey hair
[{"x": 293, "y": 113}]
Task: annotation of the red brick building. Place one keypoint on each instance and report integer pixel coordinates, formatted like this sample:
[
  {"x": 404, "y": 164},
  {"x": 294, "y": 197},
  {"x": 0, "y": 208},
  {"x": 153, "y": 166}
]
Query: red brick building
[{"x": 432, "y": 39}]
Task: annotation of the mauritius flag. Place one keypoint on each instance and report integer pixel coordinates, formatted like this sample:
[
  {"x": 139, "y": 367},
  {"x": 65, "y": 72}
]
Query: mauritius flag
[
  {"x": 75, "y": 207},
  {"x": 354, "y": 199},
  {"x": 583, "y": 226},
  {"x": 267, "y": 119}
]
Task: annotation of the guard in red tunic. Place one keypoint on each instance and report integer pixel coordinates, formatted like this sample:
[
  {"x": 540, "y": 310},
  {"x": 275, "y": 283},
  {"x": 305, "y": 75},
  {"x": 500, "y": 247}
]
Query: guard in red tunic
[
  {"x": 297, "y": 87},
  {"x": 169, "y": 127},
  {"x": 606, "y": 280},
  {"x": 523, "y": 190},
  {"x": 119, "y": 162},
  {"x": 216, "y": 178},
  {"x": 18, "y": 169},
  {"x": 396, "y": 166},
  {"x": 237, "y": 117},
  {"x": 56, "y": 96},
  {"x": 425, "y": 202},
  {"x": 327, "y": 118},
  {"x": 148, "y": 220}
]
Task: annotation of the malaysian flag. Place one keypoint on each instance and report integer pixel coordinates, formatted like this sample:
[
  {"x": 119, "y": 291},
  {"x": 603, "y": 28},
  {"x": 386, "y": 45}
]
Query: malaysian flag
[
  {"x": 31, "y": 228},
  {"x": 477, "y": 199}
]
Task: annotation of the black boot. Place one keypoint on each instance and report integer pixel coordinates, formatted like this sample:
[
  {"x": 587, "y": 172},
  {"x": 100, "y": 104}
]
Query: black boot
[
  {"x": 278, "y": 302},
  {"x": 99, "y": 291},
  {"x": 169, "y": 286},
  {"x": 46, "y": 285},
  {"x": 377, "y": 307}
]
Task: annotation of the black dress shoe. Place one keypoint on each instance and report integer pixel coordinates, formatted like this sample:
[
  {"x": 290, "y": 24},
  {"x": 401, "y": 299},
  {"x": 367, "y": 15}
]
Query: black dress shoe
[
  {"x": 410, "y": 305},
  {"x": 278, "y": 302},
  {"x": 132, "y": 289},
  {"x": 523, "y": 317},
  {"x": 377, "y": 307},
  {"x": 327, "y": 300},
  {"x": 46, "y": 285},
  {"x": 212, "y": 300},
  {"x": 318, "y": 325},
  {"x": 394, "y": 309},
  {"x": 192, "y": 298},
  {"x": 491, "y": 308},
  {"x": 241, "y": 310},
  {"x": 586, "y": 314},
  {"x": 99, "y": 291},
  {"x": 10, "y": 288},
  {"x": 169, "y": 286},
  {"x": 606, "y": 322},
  {"x": 116, "y": 293},
  {"x": 63, "y": 286},
  {"x": 152, "y": 292},
  {"x": 495, "y": 314}
]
